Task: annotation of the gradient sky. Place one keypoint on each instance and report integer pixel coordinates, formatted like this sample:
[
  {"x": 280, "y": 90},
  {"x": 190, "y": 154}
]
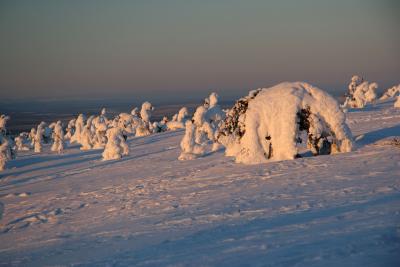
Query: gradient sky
[{"x": 59, "y": 49}]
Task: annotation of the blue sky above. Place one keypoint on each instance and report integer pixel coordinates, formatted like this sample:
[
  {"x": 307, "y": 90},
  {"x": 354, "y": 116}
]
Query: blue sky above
[{"x": 173, "y": 48}]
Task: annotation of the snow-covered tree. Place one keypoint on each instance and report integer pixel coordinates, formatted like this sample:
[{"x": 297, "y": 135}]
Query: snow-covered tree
[
  {"x": 86, "y": 138},
  {"x": 178, "y": 120},
  {"x": 99, "y": 124},
  {"x": 19, "y": 142},
  {"x": 161, "y": 126},
  {"x": 267, "y": 124},
  {"x": 190, "y": 150},
  {"x": 360, "y": 93},
  {"x": 391, "y": 92},
  {"x": 116, "y": 146},
  {"x": 70, "y": 129},
  {"x": 397, "y": 103},
  {"x": 31, "y": 136},
  {"x": 145, "y": 128},
  {"x": 4, "y": 157},
  {"x": 3, "y": 122},
  {"x": 145, "y": 112},
  {"x": 207, "y": 119},
  {"x": 202, "y": 127},
  {"x": 47, "y": 132},
  {"x": 38, "y": 139},
  {"x": 128, "y": 122},
  {"x": 58, "y": 138},
  {"x": 79, "y": 125}
]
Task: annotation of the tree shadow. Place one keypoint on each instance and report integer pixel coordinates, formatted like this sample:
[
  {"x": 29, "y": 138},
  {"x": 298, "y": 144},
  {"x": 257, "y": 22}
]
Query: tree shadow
[{"x": 374, "y": 136}]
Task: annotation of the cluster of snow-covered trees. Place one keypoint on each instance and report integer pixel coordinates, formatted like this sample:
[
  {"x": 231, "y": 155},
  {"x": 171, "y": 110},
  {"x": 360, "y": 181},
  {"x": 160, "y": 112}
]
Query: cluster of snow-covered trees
[
  {"x": 94, "y": 132},
  {"x": 202, "y": 129},
  {"x": 360, "y": 93},
  {"x": 267, "y": 124}
]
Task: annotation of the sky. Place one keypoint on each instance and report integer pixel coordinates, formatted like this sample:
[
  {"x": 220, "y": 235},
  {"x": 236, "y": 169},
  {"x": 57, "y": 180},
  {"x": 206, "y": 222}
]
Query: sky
[{"x": 181, "y": 49}]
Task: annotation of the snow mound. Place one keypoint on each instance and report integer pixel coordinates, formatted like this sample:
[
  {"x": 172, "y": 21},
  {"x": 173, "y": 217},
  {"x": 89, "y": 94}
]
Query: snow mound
[{"x": 266, "y": 125}]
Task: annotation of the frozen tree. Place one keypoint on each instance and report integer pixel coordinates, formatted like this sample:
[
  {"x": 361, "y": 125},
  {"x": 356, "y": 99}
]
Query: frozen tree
[
  {"x": 31, "y": 136},
  {"x": 19, "y": 142},
  {"x": 370, "y": 93},
  {"x": 183, "y": 115},
  {"x": 100, "y": 127},
  {"x": 391, "y": 92},
  {"x": 160, "y": 126},
  {"x": 202, "y": 128},
  {"x": 58, "y": 138},
  {"x": 214, "y": 115},
  {"x": 70, "y": 129},
  {"x": 267, "y": 124},
  {"x": 178, "y": 120},
  {"x": 79, "y": 125},
  {"x": 38, "y": 139},
  {"x": 145, "y": 128},
  {"x": 86, "y": 138},
  {"x": 116, "y": 146},
  {"x": 360, "y": 93},
  {"x": 397, "y": 103},
  {"x": 4, "y": 156},
  {"x": 47, "y": 132},
  {"x": 145, "y": 112},
  {"x": 129, "y": 122},
  {"x": 207, "y": 119},
  {"x": 3, "y": 122},
  {"x": 190, "y": 150}
]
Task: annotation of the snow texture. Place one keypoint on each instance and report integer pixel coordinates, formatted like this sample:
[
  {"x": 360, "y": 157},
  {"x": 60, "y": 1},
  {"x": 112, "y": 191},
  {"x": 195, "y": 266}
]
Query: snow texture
[{"x": 150, "y": 209}]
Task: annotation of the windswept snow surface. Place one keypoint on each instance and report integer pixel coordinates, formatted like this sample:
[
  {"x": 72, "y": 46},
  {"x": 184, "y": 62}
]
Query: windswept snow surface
[{"x": 150, "y": 209}]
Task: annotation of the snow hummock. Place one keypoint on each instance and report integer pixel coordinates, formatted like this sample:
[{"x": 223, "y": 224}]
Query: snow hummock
[{"x": 274, "y": 118}]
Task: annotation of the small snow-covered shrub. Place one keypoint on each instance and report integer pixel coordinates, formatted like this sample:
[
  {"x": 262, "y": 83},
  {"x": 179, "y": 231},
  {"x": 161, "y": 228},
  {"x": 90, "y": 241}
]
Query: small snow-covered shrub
[
  {"x": 391, "y": 92},
  {"x": 267, "y": 124}
]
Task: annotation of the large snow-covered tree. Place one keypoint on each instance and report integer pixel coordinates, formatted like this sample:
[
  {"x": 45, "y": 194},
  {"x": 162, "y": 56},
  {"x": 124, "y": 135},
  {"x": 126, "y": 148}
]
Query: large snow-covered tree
[{"x": 267, "y": 124}]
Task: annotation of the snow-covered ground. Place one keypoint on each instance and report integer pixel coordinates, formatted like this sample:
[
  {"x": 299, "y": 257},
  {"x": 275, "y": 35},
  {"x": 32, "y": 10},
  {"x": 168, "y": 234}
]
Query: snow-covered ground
[{"x": 150, "y": 209}]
